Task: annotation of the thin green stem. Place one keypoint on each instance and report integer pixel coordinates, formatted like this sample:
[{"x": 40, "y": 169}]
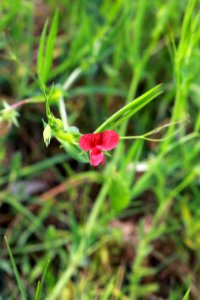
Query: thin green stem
[
  {"x": 63, "y": 113},
  {"x": 141, "y": 137},
  {"x": 72, "y": 78},
  {"x": 97, "y": 207}
]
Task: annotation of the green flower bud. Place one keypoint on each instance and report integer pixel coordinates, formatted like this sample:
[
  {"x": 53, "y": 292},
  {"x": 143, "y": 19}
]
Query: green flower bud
[{"x": 47, "y": 134}]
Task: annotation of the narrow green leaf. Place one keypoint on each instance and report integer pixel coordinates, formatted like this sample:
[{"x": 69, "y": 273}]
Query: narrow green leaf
[
  {"x": 145, "y": 290},
  {"x": 74, "y": 151},
  {"x": 107, "y": 293},
  {"x": 130, "y": 109},
  {"x": 119, "y": 193},
  {"x": 19, "y": 282},
  {"x": 95, "y": 90},
  {"x": 186, "y": 296},
  {"x": 50, "y": 46},
  {"x": 41, "y": 52},
  {"x": 40, "y": 284}
]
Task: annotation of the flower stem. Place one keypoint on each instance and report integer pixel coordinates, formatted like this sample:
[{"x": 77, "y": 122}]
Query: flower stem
[
  {"x": 63, "y": 113},
  {"x": 72, "y": 77}
]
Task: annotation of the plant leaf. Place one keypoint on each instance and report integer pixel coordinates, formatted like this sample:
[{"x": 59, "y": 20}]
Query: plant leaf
[
  {"x": 74, "y": 151},
  {"x": 186, "y": 296},
  {"x": 50, "y": 46},
  {"x": 40, "y": 284},
  {"x": 40, "y": 56},
  {"x": 130, "y": 109},
  {"x": 119, "y": 193},
  {"x": 19, "y": 282},
  {"x": 45, "y": 52}
]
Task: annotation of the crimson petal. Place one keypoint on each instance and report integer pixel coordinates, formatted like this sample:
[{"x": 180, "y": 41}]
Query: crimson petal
[
  {"x": 96, "y": 157},
  {"x": 109, "y": 140},
  {"x": 89, "y": 141}
]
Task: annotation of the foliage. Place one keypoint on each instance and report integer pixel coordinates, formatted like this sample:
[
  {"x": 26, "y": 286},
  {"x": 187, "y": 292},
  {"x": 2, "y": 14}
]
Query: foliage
[{"x": 128, "y": 229}]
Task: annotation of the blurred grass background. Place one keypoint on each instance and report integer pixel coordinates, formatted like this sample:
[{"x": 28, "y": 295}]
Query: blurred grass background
[{"x": 145, "y": 242}]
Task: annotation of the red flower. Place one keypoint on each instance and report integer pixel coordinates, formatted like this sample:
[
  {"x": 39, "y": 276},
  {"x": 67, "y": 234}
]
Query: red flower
[{"x": 96, "y": 143}]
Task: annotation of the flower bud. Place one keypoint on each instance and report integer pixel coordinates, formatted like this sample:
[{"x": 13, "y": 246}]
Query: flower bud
[{"x": 47, "y": 134}]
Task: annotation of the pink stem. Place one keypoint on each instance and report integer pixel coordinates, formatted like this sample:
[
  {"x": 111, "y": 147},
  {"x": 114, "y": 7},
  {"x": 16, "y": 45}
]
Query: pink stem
[{"x": 18, "y": 104}]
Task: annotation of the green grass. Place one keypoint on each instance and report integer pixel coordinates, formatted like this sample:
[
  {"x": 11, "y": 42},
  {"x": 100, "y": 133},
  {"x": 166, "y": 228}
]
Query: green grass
[{"x": 125, "y": 230}]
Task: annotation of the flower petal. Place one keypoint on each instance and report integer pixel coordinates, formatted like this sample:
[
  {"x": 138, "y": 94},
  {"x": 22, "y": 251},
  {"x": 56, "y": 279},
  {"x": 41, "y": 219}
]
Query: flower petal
[
  {"x": 96, "y": 157},
  {"x": 89, "y": 141},
  {"x": 109, "y": 140}
]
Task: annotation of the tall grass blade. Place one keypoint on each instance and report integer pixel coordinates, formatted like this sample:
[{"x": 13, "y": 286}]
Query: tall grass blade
[
  {"x": 186, "y": 296},
  {"x": 19, "y": 282},
  {"x": 41, "y": 284},
  {"x": 45, "y": 52},
  {"x": 41, "y": 52},
  {"x": 130, "y": 109},
  {"x": 50, "y": 46}
]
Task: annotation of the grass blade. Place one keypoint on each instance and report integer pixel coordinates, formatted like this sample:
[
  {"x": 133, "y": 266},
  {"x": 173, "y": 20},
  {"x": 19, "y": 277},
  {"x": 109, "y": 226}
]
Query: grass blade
[
  {"x": 186, "y": 296},
  {"x": 130, "y": 109},
  {"x": 50, "y": 46},
  {"x": 41, "y": 52},
  {"x": 19, "y": 282},
  {"x": 45, "y": 52},
  {"x": 40, "y": 284}
]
